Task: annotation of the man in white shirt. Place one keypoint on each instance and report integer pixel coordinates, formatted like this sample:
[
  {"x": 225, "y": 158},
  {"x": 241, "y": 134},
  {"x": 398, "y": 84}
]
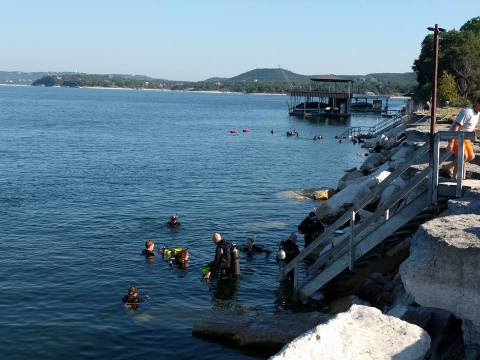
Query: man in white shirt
[{"x": 466, "y": 120}]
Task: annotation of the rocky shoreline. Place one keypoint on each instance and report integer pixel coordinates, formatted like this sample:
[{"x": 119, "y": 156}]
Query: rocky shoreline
[{"x": 415, "y": 296}]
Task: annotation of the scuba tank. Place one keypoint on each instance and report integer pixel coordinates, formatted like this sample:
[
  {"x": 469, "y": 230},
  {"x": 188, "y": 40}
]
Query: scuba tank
[
  {"x": 234, "y": 260},
  {"x": 281, "y": 254}
]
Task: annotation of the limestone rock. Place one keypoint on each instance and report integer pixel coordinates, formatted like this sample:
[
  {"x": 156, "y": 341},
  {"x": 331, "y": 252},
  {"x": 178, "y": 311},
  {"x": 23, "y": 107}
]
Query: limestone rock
[
  {"x": 442, "y": 270},
  {"x": 390, "y": 191},
  {"x": 349, "y": 178},
  {"x": 471, "y": 333},
  {"x": 469, "y": 203},
  {"x": 372, "y": 161},
  {"x": 323, "y": 194},
  {"x": 344, "y": 303},
  {"x": 361, "y": 333},
  {"x": 403, "y": 154},
  {"x": 334, "y": 207},
  {"x": 266, "y": 330}
]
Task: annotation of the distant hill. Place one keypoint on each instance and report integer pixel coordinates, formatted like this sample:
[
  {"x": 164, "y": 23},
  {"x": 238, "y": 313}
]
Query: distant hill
[
  {"x": 400, "y": 77},
  {"x": 270, "y": 75},
  {"x": 27, "y": 78},
  {"x": 23, "y": 78},
  {"x": 216, "y": 79},
  {"x": 277, "y": 74},
  {"x": 273, "y": 80}
]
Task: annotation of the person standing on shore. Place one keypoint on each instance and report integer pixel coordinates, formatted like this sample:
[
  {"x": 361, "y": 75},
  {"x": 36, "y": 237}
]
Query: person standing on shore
[{"x": 466, "y": 120}]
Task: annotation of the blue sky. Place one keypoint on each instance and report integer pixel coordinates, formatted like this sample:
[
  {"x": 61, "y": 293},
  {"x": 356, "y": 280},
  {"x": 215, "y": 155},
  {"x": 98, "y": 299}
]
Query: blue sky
[{"x": 197, "y": 39}]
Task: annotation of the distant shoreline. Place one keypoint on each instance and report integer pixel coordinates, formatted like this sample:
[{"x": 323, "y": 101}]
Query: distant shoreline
[{"x": 146, "y": 89}]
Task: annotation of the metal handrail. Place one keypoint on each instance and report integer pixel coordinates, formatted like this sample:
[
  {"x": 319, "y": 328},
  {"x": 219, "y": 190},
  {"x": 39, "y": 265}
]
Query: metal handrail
[
  {"x": 323, "y": 239},
  {"x": 361, "y": 230},
  {"x": 374, "y": 130}
]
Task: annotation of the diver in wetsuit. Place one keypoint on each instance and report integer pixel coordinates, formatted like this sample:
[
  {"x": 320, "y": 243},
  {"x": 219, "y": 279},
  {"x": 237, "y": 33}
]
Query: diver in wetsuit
[
  {"x": 180, "y": 259},
  {"x": 311, "y": 227},
  {"x": 148, "y": 251},
  {"x": 132, "y": 299},
  {"x": 227, "y": 259},
  {"x": 173, "y": 222},
  {"x": 290, "y": 249},
  {"x": 251, "y": 247}
]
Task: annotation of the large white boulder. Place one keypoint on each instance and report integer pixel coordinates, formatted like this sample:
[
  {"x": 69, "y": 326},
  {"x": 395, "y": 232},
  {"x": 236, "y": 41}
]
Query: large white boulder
[
  {"x": 362, "y": 333},
  {"x": 442, "y": 270},
  {"x": 334, "y": 207}
]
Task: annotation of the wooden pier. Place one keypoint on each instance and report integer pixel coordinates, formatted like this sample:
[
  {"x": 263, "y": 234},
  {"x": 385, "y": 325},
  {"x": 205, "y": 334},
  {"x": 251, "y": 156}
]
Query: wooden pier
[{"x": 328, "y": 95}]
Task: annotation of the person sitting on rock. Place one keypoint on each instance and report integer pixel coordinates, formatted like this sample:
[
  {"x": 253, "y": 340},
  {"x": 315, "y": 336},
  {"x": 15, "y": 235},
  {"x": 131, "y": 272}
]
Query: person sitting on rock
[
  {"x": 148, "y": 251},
  {"x": 173, "y": 222},
  {"x": 132, "y": 299},
  {"x": 311, "y": 227},
  {"x": 251, "y": 247}
]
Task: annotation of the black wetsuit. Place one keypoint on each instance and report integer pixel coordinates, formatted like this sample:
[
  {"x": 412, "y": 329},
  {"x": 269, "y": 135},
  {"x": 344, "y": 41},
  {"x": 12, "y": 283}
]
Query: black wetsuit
[
  {"x": 133, "y": 302},
  {"x": 147, "y": 253},
  {"x": 221, "y": 265},
  {"x": 311, "y": 228},
  {"x": 291, "y": 250},
  {"x": 253, "y": 249},
  {"x": 173, "y": 225}
]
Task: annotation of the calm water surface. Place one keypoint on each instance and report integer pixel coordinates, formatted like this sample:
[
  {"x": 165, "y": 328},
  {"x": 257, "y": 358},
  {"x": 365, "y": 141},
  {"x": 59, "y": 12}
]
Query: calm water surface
[{"x": 86, "y": 176}]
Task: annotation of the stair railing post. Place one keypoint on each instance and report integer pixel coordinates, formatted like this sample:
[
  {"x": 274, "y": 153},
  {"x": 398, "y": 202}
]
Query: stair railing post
[
  {"x": 295, "y": 278},
  {"x": 460, "y": 163},
  {"x": 352, "y": 242},
  {"x": 434, "y": 176}
]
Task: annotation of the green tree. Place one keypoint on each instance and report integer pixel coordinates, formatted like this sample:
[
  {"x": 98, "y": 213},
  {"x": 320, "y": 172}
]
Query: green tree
[
  {"x": 459, "y": 56},
  {"x": 472, "y": 25},
  {"x": 447, "y": 88}
]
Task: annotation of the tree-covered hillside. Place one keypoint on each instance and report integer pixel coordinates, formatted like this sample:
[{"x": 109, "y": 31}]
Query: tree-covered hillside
[{"x": 254, "y": 81}]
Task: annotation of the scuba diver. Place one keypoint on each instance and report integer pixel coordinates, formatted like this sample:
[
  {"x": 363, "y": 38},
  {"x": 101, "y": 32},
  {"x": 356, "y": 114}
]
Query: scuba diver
[
  {"x": 311, "y": 228},
  {"x": 292, "y": 132},
  {"x": 148, "y": 251},
  {"x": 287, "y": 252},
  {"x": 288, "y": 249},
  {"x": 251, "y": 247},
  {"x": 173, "y": 222},
  {"x": 227, "y": 259},
  {"x": 180, "y": 259},
  {"x": 132, "y": 299}
]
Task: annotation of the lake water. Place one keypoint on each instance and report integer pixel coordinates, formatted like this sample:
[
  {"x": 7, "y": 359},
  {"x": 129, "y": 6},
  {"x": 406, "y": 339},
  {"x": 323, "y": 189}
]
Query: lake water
[{"x": 87, "y": 175}]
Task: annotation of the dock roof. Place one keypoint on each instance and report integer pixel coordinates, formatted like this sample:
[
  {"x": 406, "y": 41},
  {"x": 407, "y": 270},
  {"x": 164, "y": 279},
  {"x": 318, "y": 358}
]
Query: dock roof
[{"x": 330, "y": 78}]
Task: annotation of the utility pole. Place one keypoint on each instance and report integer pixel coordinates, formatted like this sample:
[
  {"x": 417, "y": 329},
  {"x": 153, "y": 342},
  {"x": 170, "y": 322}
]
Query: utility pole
[{"x": 433, "y": 115}]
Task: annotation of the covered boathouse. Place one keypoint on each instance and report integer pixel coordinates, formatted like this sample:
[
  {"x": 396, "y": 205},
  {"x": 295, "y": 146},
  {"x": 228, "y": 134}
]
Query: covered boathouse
[{"x": 329, "y": 95}]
